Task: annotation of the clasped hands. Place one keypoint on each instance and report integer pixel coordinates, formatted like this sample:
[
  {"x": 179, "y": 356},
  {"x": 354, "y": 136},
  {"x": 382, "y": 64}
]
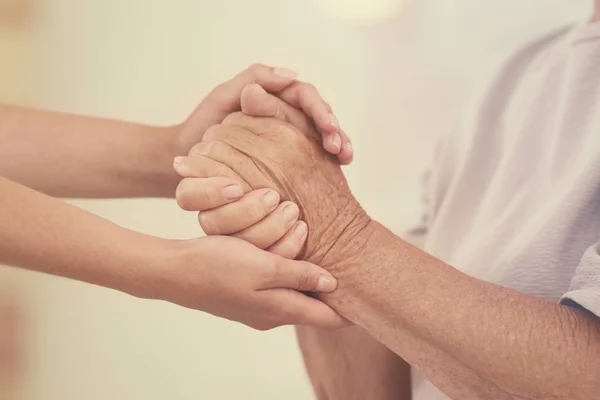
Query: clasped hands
[{"x": 268, "y": 182}]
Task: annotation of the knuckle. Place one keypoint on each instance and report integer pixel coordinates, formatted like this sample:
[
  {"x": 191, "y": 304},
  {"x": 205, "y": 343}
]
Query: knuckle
[
  {"x": 207, "y": 197},
  {"x": 287, "y": 131},
  {"x": 287, "y": 247},
  {"x": 219, "y": 169},
  {"x": 213, "y": 133},
  {"x": 257, "y": 70},
  {"x": 196, "y": 149},
  {"x": 307, "y": 280},
  {"x": 181, "y": 195},
  {"x": 234, "y": 118},
  {"x": 293, "y": 136},
  {"x": 207, "y": 223},
  {"x": 203, "y": 148},
  {"x": 307, "y": 89},
  {"x": 257, "y": 210}
]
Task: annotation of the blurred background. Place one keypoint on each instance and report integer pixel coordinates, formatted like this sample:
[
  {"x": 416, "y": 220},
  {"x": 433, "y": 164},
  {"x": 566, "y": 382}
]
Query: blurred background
[{"x": 397, "y": 74}]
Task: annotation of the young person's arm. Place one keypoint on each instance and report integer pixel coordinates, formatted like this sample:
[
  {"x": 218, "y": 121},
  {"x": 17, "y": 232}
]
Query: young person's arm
[
  {"x": 223, "y": 276},
  {"x": 74, "y": 156}
]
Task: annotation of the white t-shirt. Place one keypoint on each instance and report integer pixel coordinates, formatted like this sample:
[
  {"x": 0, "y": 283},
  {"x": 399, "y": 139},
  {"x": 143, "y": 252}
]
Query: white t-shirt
[{"x": 514, "y": 196}]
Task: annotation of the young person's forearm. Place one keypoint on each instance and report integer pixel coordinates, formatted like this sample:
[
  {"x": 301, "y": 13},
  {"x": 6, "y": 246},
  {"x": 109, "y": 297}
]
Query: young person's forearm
[
  {"x": 44, "y": 234},
  {"x": 72, "y": 156},
  {"x": 349, "y": 364},
  {"x": 436, "y": 317}
]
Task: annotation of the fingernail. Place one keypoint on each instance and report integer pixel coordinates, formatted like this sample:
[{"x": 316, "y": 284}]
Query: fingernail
[
  {"x": 285, "y": 73},
  {"x": 178, "y": 163},
  {"x": 337, "y": 142},
  {"x": 334, "y": 121},
  {"x": 291, "y": 212},
  {"x": 271, "y": 199},
  {"x": 349, "y": 147},
  {"x": 326, "y": 284},
  {"x": 300, "y": 229},
  {"x": 233, "y": 192}
]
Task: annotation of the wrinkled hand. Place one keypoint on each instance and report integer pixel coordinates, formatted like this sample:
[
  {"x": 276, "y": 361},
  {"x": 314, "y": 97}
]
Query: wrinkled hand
[
  {"x": 270, "y": 153},
  {"x": 226, "y": 98}
]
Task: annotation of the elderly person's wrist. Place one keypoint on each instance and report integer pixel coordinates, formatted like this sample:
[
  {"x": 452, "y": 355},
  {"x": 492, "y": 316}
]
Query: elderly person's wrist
[{"x": 330, "y": 243}]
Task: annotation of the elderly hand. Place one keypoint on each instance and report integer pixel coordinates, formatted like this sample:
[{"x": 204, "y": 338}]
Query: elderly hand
[{"x": 270, "y": 153}]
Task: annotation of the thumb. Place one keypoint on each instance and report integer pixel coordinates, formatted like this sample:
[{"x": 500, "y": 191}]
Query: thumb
[
  {"x": 300, "y": 275},
  {"x": 226, "y": 97},
  {"x": 256, "y": 102}
]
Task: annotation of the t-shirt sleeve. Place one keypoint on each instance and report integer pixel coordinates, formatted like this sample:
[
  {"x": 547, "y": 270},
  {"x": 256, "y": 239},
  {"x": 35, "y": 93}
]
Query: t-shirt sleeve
[{"x": 585, "y": 286}]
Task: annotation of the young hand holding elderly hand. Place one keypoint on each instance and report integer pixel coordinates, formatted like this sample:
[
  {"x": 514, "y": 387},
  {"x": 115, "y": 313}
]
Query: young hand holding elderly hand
[
  {"x": 72, "y": 156},
  {"x": 265, "y": 155}
]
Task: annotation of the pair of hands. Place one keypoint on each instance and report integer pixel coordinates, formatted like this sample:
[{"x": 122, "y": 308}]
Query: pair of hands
[{"x": 243, "y": 282}]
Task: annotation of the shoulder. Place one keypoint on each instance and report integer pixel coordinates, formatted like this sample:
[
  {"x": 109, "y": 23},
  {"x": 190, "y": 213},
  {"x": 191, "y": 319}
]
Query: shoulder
[
  {"x": 494, "y": 88},
  {"x": 491, "y": 93}
]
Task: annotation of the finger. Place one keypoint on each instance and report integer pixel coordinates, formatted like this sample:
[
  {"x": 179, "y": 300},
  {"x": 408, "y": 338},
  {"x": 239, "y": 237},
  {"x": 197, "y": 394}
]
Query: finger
[
  {"x": 200, "y": 194},
  {"x": 225, "y": 98},
  {"x": 300, "y": 309},
  {"x": 234, "y": 217},
  {"x": 306, "y": 97},
  {"x": 290, "y": 245},
  {"x": 256, "y": 102},
  {"x": 233, "y": 160},
  {"x": 271, "y": 228},
  {"x": 302, "y": 95},
  {"x": 238, "y": 124},
  {"x": 273, "y": 79},
  {"x": 346, "y": 154},
  {"x": 200, "y": 166},
  {"x": 299, "y": 275}
]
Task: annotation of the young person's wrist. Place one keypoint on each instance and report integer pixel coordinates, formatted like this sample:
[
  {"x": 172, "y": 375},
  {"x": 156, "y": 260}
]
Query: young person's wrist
[
  {"x": 168, "y": 267},
  {"x": 144, "y": 266},
  {"x": 157, "y": 177}
]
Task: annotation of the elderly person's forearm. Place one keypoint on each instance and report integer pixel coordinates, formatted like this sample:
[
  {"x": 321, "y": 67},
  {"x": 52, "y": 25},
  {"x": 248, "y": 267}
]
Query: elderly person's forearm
[{"x": 523, "y": 346}]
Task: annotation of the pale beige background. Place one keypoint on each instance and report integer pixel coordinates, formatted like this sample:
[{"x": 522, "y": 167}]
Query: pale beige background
[{"x": 395, "y": 83}]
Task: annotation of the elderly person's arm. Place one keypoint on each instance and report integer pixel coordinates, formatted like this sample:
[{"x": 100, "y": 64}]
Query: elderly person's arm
[
  {"x": 524, "y": 346},
  {"x": 349, "y": 364},
  {"x": 342, "y": 364},
  {"x": 471, "y": 338}
]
